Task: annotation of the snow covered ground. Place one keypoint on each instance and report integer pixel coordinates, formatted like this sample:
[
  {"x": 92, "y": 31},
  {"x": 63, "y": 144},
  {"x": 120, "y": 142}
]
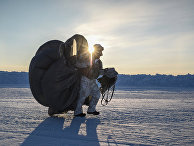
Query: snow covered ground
[{"x": 134, "y": 117}]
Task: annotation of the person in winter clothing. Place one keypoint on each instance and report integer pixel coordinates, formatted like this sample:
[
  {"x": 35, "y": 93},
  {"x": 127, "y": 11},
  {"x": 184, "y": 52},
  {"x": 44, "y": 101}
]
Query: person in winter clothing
[{"x": 90, "y": 70}]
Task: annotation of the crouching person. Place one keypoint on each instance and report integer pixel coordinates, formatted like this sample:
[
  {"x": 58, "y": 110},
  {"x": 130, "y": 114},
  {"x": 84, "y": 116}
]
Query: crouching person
[{"x": 90, "y": 70}]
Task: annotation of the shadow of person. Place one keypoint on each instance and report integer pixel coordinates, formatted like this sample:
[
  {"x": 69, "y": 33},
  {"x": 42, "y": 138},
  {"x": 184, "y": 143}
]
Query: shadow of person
[{"x": 52, "y": 132}]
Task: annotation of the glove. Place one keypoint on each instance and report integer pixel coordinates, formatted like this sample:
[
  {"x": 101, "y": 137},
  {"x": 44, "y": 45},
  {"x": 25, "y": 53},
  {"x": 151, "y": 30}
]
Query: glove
[{"x": 111, "y": 72}]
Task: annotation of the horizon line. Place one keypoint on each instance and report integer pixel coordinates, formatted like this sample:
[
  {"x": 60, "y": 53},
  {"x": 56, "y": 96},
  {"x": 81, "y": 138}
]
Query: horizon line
[{"x": 118, "y": 73}]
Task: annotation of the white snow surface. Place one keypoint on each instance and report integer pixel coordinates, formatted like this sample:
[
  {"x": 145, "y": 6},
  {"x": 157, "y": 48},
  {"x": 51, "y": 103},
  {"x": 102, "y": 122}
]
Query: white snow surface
[{"x": 135, "y": 116}]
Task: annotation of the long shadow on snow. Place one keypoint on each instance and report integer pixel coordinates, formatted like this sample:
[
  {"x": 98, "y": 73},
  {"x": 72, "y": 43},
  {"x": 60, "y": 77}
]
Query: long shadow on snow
[{"x": 51, "y": 132}]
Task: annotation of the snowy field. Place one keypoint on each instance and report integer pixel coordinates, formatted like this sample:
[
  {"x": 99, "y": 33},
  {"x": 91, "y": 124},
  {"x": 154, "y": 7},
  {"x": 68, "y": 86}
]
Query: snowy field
[{"x": 135, "y": 116}]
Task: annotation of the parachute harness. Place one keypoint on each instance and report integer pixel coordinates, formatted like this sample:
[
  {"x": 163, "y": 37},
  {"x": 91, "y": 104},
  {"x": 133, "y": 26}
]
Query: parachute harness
[
  {"x": 107, "y": 96},
  {"x": 107, "y": 89}
]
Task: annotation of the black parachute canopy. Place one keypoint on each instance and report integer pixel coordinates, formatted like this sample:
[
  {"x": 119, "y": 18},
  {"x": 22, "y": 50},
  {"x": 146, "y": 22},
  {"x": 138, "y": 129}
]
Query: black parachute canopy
[{"x": 54, "y": 80}]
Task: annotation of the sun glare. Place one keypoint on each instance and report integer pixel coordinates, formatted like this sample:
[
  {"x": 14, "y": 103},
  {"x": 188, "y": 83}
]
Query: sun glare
[
  {"x": 91, "y": 41},
  {"x": 90, "y": 47}
]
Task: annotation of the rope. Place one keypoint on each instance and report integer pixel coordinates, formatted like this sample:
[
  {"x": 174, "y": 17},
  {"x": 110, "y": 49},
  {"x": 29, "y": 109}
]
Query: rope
[{"x": 108, "y": 94}]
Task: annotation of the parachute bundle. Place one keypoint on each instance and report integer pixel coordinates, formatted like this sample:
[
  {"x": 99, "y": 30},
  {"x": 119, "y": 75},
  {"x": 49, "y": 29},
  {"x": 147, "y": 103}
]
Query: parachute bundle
[{"x": 54, "y": 81}]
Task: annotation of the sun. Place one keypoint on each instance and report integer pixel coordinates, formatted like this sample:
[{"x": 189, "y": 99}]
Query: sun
[
  {"x": 91, "y": 50},
  {"x": 90, "y": 46},
  {"x": 91, "y": 41}
]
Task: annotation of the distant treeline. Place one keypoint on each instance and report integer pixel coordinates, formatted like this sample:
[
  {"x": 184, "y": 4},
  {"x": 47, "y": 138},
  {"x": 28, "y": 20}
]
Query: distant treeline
[
  {"x": 13, "y": 77},
  {"x": 158, "y": 80},
  {"x": 140, "y": 80}
]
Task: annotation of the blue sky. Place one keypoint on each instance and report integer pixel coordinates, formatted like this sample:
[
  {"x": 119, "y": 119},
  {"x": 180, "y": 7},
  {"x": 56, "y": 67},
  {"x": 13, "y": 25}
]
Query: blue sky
[{"x": 139, "y": 36}]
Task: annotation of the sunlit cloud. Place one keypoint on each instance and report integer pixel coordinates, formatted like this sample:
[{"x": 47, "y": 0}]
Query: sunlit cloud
[
  {"x": 139, "y": 36},
  {"x": 142, "y": 31}
]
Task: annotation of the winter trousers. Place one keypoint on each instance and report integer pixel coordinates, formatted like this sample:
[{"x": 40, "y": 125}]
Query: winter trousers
[{"x": 87, "y": 88}]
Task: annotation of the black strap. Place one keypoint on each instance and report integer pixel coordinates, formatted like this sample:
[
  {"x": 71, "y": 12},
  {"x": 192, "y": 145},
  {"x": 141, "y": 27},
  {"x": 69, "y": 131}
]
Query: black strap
[{"x": 106, "y": 97}]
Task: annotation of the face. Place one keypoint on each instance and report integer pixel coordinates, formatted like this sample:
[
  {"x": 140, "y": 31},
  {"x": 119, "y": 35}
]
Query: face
[{"x": 98, "y": 54}]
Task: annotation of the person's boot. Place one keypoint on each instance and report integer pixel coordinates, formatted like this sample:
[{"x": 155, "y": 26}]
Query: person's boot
[
  {"x": 94, "y": 113},
  {"x": 80, "y": 115},
  {"x": 52, "y": 111}
]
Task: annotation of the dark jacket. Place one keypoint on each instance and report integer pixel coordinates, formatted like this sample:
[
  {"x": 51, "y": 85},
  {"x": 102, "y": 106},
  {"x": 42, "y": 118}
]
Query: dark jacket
[{"x": 93, "y": 71}]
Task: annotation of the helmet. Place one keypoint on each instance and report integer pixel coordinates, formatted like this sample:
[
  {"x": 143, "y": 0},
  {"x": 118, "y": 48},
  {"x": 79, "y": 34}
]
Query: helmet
[
  {"x": 98, "y": 47},
  {"x": 98, "y": 50}
]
